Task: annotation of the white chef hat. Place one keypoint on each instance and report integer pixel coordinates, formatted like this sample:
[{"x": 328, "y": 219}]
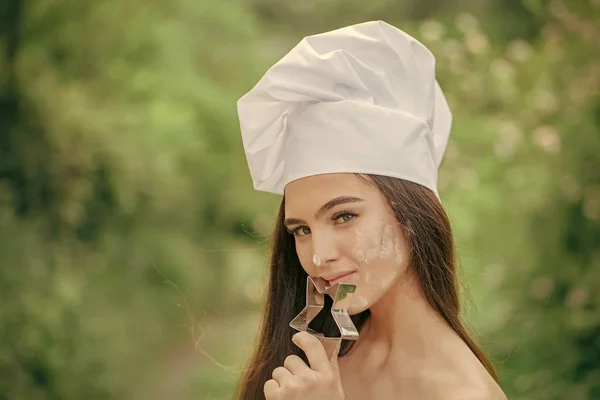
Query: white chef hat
[{"x": 360, "y": 99}]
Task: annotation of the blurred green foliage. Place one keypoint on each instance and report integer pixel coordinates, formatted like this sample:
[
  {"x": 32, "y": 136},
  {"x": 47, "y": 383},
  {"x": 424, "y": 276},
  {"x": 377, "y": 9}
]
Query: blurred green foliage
[{"x": 132, "y": 243}]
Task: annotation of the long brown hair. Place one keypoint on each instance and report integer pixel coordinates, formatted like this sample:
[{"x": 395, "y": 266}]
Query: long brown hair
[{"x": 432, "y": 255}]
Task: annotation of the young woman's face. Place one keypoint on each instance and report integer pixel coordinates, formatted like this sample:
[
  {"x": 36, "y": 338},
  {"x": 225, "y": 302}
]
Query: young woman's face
[{"x": 345, "y": 231}]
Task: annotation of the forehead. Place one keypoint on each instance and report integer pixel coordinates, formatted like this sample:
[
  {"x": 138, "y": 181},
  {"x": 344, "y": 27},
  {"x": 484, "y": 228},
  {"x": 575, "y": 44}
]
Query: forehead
[{"x": 314, "y": 191}]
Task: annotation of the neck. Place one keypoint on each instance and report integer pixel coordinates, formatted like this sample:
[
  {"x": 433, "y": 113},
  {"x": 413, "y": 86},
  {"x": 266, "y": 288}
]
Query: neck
[
  {"x": 404, "y": 338},
  {"x": 403, "y": 326}
]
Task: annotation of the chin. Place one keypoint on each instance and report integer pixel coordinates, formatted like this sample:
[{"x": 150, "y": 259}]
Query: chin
[
  {"x": 358, "y": 305},
  {"x": 356, "y": 311}
]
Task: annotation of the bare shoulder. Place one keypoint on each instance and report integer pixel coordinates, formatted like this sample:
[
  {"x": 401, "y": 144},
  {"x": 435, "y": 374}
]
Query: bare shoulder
[
  {"x": 473, "y": 393},
  {"x": 470, "y": 389},
  {"x": 458, "y": 384}
]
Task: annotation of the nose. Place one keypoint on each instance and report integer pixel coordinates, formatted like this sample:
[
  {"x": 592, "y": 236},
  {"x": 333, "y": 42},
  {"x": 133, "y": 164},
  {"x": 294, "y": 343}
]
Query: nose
[{"x": 325, "y": 249}]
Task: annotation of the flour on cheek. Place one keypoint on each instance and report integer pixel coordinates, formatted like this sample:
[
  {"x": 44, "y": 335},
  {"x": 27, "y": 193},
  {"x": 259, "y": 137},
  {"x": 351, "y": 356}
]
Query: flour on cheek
[
  {"x": 398, "y": 249},
  {"x": 379, "y": 246},
  {"x": 373, "y": 245},
  {"x": 395, "y": 255},
  {"x": 359, "y": 246},
  {"x": 380, "y": 256},
  {"x": 387, "y": 242},
  {"x": 360, "y": 303}
]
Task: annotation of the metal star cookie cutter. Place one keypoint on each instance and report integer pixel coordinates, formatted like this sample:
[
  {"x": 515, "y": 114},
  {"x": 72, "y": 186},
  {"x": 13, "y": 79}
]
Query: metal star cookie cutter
[{"x": 342, "y": 294}]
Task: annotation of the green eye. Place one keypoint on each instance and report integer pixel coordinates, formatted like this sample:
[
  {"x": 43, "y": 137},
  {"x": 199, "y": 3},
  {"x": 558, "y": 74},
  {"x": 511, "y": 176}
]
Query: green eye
[
  {"x": 301, "y": 231},
  {"x": 344, "y": 217}
]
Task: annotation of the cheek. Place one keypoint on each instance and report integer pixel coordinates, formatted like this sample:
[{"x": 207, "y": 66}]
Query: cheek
[
  {"x": 359, "y": 304},
  {"x": 306, "y": 258},
  {"x": 381, "y": 255},
  {"x": 374, "y": 244},
  {"x": 381, "y": 246}
]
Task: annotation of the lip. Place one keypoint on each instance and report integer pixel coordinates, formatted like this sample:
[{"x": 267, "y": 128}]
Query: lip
[{"x": 337, "y": 278}]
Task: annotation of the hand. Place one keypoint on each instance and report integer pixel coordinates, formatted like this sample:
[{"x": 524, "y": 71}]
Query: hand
[{"x": 297, "y": 381}]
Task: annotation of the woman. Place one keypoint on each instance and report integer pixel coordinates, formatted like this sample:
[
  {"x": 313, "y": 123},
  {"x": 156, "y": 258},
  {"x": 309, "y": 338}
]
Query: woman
[{"x": 351, "y": 127}]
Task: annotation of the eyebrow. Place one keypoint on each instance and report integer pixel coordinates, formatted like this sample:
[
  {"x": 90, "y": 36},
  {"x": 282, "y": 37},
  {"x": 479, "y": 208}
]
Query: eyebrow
[{"x": 324, "y": 208}]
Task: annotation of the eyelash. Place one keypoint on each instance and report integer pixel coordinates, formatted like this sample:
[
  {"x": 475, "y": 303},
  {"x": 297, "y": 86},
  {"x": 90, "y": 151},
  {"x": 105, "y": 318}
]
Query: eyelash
[{"x": 338, "y": 215}]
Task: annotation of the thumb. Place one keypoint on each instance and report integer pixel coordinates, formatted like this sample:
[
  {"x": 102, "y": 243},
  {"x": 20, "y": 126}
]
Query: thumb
[{"x": 334, "y": 364}]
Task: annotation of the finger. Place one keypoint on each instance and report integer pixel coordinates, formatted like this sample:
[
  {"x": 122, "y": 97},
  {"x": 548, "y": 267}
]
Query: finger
[
  {"x": 281, "y": 375},
  {"x": 334, "y": 359},
  {"x": 271, "y": 390},
  {"x": 314, "y": 350},
  {"x": 295, "y": 365}
]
